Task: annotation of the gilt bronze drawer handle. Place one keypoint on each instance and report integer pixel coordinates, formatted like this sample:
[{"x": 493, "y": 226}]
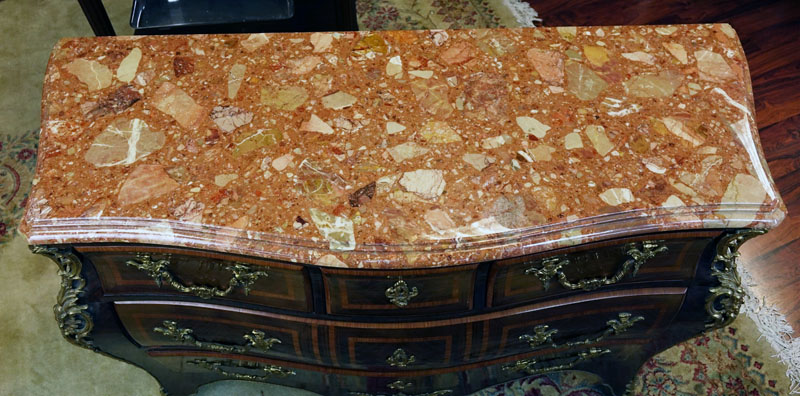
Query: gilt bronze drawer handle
[
  {"x": 534, "y": 366},
  {"x": 400, "y": 358},
  {"x": 551, "y": 267},
  {"x": 243, "y": 276},
  {"x": 614, "y": 327},
  {"x": 267, "y": 369},
  {"x": 256, "y": 341},
  {"x": 400, "y": 294},
  {"x": 542, "y": 334}
]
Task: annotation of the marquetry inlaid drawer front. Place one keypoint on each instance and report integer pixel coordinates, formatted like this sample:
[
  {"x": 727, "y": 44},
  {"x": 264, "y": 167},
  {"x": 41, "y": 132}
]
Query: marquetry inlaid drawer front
[
  {"x": 401, "y": 347},
  {"x": 604, "y": 317},
  {"x": 332, "y": 381},
  {"x": 206, "y": 277},
  {"x": 380, "y": 383},
  {"x": 215, "y": 328},
  {"x": 593, "y": 267},
  {"x": 219, "y": 366},
  {"x": 392, "y": 293}
]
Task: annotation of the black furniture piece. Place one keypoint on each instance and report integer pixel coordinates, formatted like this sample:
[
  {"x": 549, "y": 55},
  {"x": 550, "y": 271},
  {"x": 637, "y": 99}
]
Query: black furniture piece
[
  {"x": 97, "y": 16},
  {"x": 227, "y": 16}
]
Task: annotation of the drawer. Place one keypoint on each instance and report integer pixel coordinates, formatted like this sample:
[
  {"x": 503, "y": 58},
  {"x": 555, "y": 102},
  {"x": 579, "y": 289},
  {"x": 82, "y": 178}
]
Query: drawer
[
  {"x": 194, "y": 368},
  {"x": 558, "y": 328},
  {"x": 393, "y": 293},
  {"x": 204, "y": 367},
  {"x": 585, "y": 371},
  {"x": 379, "y": 383},
  {"x": 204, "y": 327},
  {"x": 566, "y": 324},
  {"x": 404, "y": 347},
  {"x": 205, "y": 276},
  {"x": 665, "y": 257}
]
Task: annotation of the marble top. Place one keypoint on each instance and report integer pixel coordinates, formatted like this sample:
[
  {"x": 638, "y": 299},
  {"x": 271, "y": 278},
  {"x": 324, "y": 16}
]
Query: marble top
[{"x": 398, "y": 149}]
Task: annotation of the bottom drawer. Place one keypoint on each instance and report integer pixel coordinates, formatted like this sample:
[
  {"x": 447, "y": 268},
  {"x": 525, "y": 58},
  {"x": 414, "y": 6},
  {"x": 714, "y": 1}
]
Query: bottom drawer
[
  {"x": 595, "y": 369},
  {"x": 192, "y": 369}
]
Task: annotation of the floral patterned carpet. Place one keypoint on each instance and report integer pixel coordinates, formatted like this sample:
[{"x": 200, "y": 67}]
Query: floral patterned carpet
[
  {"x": 17, "y": 160},
  {"x": 728, "y": 362},
  {"x": 431, "y": 14},
  {"x": 725, "y": 362}
]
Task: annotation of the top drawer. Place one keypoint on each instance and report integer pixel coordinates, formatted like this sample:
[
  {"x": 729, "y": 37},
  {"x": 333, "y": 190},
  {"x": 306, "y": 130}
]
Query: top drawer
[
  {"x": 662, "y": 257},
  {"x": 206, "y": 276},
  {"x": 399, "y": 293}
]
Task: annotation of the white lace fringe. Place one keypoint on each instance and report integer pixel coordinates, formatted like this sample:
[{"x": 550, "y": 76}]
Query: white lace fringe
[
  {"x": 523, "y": 12},
  {"x": 773, "y": 326}
]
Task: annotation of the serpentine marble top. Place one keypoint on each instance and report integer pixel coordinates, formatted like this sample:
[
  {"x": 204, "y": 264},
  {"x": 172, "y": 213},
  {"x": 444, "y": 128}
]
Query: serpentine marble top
[{"x": 398, "y": 149}]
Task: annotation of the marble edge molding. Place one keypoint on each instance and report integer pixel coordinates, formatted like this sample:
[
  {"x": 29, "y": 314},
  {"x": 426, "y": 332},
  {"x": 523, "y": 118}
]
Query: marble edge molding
[
  {"x": 435, "y": 253},
  {"x": 446, "y": 252}
]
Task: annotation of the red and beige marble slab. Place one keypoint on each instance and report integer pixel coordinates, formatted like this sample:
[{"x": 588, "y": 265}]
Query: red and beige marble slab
[{"x": 398, "y": 149}]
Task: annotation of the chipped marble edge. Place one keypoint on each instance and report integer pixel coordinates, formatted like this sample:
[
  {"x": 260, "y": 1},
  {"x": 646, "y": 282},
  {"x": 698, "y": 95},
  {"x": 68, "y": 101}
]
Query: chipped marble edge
[{"x": 447, "y": 252}]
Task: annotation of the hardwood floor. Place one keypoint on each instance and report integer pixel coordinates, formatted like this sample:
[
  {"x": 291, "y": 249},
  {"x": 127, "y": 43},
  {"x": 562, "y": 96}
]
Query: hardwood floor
[{"x": 770, "y": 33}]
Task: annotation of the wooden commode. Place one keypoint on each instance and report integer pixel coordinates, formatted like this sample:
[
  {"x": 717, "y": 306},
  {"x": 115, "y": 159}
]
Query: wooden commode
[{"x": 399, "y": 212}]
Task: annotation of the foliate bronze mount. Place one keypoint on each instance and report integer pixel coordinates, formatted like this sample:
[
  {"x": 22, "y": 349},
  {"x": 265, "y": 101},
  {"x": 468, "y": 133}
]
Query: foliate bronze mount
[
  {"x": 620, "y": 325},
  {"x": 725, "y": 300},
  {"x": 266, "y": 371},
  {"x": 534, "y": 366},
  {"x": 73, "y": 318},
  {"x": 400, "y": 294},
  {"x": 552, "y": 267},
  {"x": 400, "y": 385},
  {"x": 542, "y": 334},
  {"x": 400, "y": 358},
  {"x": 159, "y": 270},
  {"x": 257, "y": 340}
]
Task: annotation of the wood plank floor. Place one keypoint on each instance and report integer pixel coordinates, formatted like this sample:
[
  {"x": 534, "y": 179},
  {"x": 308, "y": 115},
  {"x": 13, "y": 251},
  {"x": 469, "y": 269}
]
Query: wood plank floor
[{"x": 770, "y": 33}]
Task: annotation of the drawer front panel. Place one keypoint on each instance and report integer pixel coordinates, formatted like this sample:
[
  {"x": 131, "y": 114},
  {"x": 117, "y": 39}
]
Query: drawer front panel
[
  {"x": 224, "y": 331},
  {"x": 398, "y": 350},
  {"x": 568, "y": 323},
  {"x": 593, "y": 266},
  {"x": 546, "y": 371},
  {"x": 207, "y": 277},
  {"x": 389, "y": 293},
  {"x": 391, "y": 349},
  {"x": 325, "y": 381},
  {"x": 575, "y": 326},
  {"x": 209, "y": 367},
  {"x": 439, "y": 384}
]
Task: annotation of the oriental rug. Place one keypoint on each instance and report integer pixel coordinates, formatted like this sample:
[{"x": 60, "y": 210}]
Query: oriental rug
[{"x": 17, "y": 159}]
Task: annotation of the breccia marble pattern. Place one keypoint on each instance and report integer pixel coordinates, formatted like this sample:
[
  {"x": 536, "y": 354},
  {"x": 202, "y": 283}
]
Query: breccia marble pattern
[{"x": 398, "y": 149}]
